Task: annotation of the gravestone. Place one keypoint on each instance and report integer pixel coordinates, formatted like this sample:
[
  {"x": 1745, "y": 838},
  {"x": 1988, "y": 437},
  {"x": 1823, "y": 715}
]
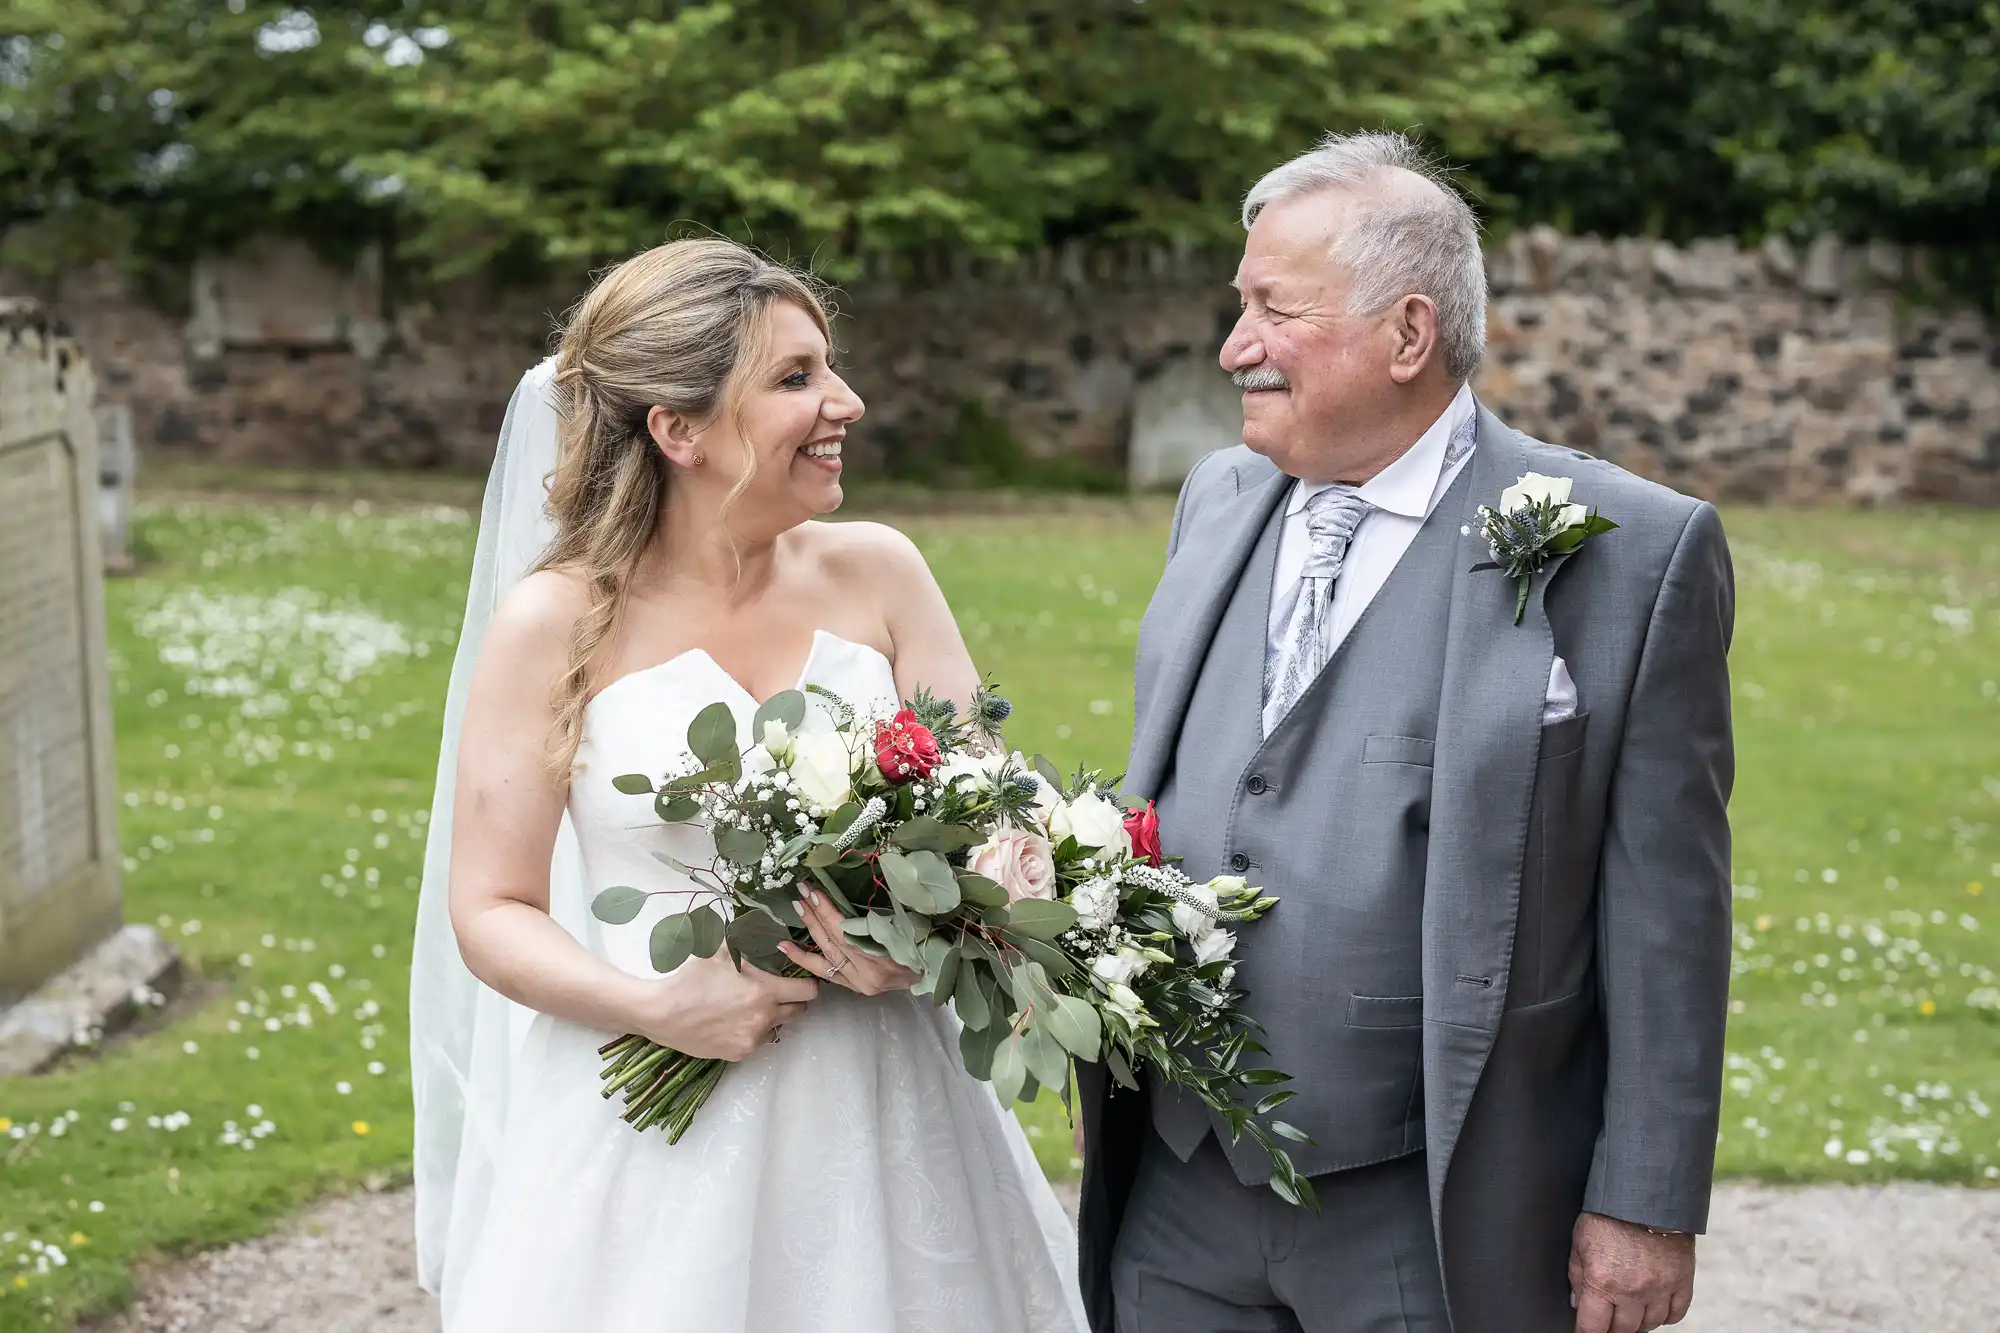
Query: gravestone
[
  {"x": 117, "y": 473},
  {"x": 1188, "y": 409},
  {"x": 59, "y": 864}
]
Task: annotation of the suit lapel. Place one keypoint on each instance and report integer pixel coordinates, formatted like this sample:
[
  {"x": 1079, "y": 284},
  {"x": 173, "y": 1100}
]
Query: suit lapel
[
  {"x": 1193, "y": 594},
  {"x": 1489, "y": 733}
]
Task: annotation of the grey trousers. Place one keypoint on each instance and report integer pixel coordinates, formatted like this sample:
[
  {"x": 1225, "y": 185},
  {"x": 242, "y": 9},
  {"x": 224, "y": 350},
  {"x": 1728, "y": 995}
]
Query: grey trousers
[{"x": 1200, "y": 1252}]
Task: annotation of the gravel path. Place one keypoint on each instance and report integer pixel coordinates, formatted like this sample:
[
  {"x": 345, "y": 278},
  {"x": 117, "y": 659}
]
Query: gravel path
[{"x": 1823, "y": 1260}]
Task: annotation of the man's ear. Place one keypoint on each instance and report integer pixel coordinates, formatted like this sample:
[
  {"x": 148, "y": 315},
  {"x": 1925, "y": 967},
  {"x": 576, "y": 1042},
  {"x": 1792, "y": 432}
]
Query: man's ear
[
  {"x": 1413, "y": 337},
  {"x": 675, "y": 434}
]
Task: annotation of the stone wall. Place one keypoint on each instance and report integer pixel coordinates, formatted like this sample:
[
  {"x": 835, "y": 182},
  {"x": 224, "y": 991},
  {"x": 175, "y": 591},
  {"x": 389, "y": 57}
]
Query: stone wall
[{"x": 1763, "y": 374}]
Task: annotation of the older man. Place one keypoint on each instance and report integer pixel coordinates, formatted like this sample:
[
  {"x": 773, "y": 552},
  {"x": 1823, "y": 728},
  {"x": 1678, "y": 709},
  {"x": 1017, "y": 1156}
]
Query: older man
[{"x": 1495, "y": 813}]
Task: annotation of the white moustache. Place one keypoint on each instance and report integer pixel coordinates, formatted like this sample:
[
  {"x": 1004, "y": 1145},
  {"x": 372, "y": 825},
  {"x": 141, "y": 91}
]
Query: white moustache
[{"x": 1260, "y": 377}]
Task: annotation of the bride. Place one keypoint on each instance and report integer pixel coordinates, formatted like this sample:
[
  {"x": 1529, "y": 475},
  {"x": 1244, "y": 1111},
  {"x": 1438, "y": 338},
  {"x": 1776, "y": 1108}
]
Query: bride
[{"x": 645, "y": 550}]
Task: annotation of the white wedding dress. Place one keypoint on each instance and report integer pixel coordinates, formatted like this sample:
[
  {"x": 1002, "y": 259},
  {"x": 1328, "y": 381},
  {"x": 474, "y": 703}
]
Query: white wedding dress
[{"x": 851, "y": 1178}]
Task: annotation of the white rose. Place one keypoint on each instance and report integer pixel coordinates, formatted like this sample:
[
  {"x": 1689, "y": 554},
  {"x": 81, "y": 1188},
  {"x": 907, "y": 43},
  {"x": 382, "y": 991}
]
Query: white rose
[
  {"x": 777, "y": 738},
  {"x": 823, "y": 768},
  {"x": 1217, "y": 945},
  {"x": 1093, "y": 822},
  {"x": 1190, "y": 920},
  {"x": 962, "y": 765},
  {"x": 1534, "y": 488},
  {"x": 1574, "y": 515},
  {"x": 1125, "y": 1002},
  {"x": 1118, "y": 968}
]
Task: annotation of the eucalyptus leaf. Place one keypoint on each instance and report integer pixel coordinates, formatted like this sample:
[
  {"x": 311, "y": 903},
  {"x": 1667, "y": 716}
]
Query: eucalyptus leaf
[
  {"x": 1048, "y": 772},
  {"x": 1040, "y": 918},
  {"x": 754, "y": 938},
  {"x": 933, "y": 951},
  {"x": 693, "y": 782},
  {"x": 788, "y": 707},
  {"x": 711, "y": 737},
  {"x": 679, "y": 867},
  {"x": 1075, "y": 1024},
  {"x": 936, "y": 875},
  {"x": 969, "y": 998},
  {"x": 979, "y": 890},
  {"x": 920, "y": 881},
  {"x": 671, "y": 942},
  {"x": 975, "y": 1048},
  {"x": 924, "y": 833},
  {"x": 1054, "y": 960},
  {"x": 947, "y": 975},
  {"x": 633, "y": 784},
  {"x": 840, "y": 820},
  {"x": 746, "y": 847},
  {"x": 1010, "y": 1069},
  {"x": 1047, "y": 1060},
  {"x": 618, "y": 904},
  {"x": 705, "y": 928},
  {"x": 823, "y": 854},
  {"x": 676, "y": 807},
  {"x": 793, "y": 846}
]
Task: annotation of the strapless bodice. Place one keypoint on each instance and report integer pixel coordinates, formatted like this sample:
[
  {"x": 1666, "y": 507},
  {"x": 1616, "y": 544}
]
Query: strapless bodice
[{"x": 638, "y": 724}]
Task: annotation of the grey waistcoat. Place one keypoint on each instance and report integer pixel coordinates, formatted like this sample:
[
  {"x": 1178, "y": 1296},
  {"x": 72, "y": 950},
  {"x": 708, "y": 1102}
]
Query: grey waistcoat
[{"x": 1331, "y": 813}]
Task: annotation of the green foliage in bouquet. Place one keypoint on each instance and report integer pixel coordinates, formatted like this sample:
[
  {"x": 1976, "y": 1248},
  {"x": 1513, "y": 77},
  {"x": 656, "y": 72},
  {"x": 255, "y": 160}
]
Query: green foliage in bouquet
[{"x": 1018, "y": 897}]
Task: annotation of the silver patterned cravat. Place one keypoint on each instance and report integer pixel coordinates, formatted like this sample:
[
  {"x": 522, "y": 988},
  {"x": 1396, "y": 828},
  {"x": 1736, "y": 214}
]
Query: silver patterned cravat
[{"x": 1331, "y": 518}]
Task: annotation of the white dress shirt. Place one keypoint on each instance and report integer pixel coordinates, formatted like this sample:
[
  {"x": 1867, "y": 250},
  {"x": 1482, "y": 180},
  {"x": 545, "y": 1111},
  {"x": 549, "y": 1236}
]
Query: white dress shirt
[{"x": 1403, "y": 495}]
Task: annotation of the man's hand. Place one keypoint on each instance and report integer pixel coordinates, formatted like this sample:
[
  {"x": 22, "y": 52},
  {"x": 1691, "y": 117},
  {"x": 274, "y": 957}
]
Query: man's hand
[{"x": 1625, "y": 1279}]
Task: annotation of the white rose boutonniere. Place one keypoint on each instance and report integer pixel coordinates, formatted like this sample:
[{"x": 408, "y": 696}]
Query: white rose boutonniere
[{"x": 1535, "y": 523}]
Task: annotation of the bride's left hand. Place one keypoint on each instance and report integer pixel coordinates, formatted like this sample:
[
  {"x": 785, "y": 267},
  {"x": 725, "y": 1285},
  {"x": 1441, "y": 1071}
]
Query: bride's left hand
[{"x": 837, "y": 960}]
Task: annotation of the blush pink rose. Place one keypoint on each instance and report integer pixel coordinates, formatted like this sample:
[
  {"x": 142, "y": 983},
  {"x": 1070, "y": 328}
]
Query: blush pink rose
[{"x": 1018, "y": 861}]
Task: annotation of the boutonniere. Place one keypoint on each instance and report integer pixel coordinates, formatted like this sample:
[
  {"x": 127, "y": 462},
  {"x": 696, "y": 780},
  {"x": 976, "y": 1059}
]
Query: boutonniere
[{"x": 1535, "y": 523}]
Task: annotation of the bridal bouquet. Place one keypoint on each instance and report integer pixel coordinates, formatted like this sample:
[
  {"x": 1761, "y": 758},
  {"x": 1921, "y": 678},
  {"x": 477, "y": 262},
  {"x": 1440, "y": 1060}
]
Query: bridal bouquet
[{"x": 1036, "y": 906}]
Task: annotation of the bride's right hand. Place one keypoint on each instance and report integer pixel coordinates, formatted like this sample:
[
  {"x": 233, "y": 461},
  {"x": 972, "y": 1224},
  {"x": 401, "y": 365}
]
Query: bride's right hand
[{"x": 710, "y": 1009}]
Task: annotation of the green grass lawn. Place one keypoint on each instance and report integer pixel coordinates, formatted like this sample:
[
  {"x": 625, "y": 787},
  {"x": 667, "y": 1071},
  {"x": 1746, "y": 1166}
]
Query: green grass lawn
[{"x": 279, "y": 669}]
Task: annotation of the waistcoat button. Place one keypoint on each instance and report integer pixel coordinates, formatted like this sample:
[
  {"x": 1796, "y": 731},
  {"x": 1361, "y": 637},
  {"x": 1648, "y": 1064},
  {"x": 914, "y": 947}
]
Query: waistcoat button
[
  {"x": 1239, "y": 862},
  {"x": 1257, "y": 784}
]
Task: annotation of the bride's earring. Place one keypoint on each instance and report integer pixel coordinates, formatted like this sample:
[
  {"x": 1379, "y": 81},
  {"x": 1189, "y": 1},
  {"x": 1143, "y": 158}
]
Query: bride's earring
[{"x": 699, "y": 458}]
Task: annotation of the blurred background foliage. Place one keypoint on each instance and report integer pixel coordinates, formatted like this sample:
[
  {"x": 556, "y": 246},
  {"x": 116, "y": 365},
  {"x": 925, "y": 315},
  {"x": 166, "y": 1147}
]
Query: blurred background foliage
[{"x": 516, "y": 135}]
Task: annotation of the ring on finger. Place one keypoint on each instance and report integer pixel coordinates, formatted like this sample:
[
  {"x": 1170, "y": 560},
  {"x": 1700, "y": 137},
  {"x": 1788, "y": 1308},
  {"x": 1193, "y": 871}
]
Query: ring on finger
[{"x": 835, "y": 969}]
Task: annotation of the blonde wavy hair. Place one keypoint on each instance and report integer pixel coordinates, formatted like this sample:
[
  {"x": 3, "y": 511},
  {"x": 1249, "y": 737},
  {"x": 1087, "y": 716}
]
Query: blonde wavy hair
[{"x": 679, "y": 326}]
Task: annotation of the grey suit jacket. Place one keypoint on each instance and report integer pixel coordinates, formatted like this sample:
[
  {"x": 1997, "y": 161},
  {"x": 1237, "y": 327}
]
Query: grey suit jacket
[{"x": 1576, "y": 915}]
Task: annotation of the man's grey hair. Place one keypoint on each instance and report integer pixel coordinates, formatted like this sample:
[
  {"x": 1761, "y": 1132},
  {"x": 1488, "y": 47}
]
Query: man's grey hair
[{"x": 1403, "y": 241}]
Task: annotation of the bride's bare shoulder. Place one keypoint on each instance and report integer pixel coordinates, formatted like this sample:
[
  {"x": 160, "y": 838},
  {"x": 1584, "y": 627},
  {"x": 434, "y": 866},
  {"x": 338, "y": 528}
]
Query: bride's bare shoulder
[
  {"x": 535, "y": 619},
  {"x": 869, "y": 554}
]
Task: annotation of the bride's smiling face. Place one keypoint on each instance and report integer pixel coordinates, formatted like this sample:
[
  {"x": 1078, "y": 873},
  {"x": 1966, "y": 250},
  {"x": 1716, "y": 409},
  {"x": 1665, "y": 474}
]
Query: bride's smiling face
[{"x": 789, "y": 412}]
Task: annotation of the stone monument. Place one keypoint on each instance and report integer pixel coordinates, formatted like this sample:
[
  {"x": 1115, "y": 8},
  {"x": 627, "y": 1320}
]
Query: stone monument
[
  {"x": 1188, "y": 409},
  {"x": 59, "y": 862},
  {"x": 117, "y": 471}
]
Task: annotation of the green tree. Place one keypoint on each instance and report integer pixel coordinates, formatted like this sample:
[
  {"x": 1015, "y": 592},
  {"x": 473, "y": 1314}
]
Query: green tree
[{"x": 485, "y": 131}]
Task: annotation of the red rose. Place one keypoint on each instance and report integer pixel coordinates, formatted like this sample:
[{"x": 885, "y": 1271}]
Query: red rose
[
  {"x": 1143, "y": 828},
  {"x": 904, "y": 748}
]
